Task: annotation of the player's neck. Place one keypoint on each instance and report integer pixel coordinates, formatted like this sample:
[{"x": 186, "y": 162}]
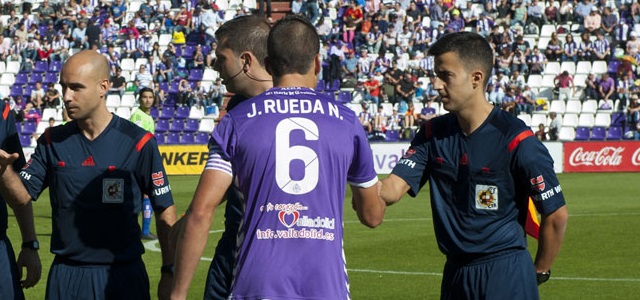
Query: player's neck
[
  {"x": 93, "y": 126},
  {"x": 296, "y": 80},
  {"x": 472, "y": 117},
  {"x": 146, "y": 110}
]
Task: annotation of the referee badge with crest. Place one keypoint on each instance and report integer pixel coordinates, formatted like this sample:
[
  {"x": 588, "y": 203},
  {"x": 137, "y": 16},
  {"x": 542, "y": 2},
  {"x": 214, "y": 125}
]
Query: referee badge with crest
[{"x": 486, "y": 197}]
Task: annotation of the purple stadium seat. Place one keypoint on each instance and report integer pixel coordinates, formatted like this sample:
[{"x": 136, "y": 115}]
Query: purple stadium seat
[
  {"x": 188, "y": 52},
  {"x": 627, "y": 129},
  {"x": 41, "y": 66},
  {"x": 179, "y": 50},
  {"x": 187, "y": 138},
  {"x": 191, "y": 125},
  {"x": 612, "y": 67},
  {"x": 16, "y": 90},
  {"x": 173, "y": 88},
  {"x": 202, "y": 138},
  {"x": 51, "y": 77},
  {"x": 35, "y": 77},
  {"x": 583, "y": 134},
  {"x": 392, "y": 136},
  {"x": 598, "y": 133},
  {"x": 182, "y": 112},
  {"x": 196, "y": 75},
  {"x": 22, "y": 78},
  {"x": 55, "y": 66},
  {"x": 617, "y": 119},
  {"x": 177, "y": 125},
  {"x": 173, "y": 138},
  {"x": 334, "y": 85},
  {"x": 160, "y": 137},
  {"x": 27, "y": 91},
  {"x": 25, "y": 140},
  {"x": 162, "y": 125},
  {"x": 164, "y": 86},
  {"x": 344, "y": 96},
  {"x": 331, "y": 95},
  {"x": 614, "y": 133},
  {"x": 154, "y": 113},
  {"x": 167, "y": 112},
  {"x": 29, "y": 127},
  {"x": 205, "y": 50}
]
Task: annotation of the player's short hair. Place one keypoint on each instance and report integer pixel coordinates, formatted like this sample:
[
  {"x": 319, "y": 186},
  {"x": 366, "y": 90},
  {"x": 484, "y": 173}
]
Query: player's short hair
[
  {"x": 292, "y": 46},
  {"x": 144, "y": 90},
  {"x": 473, "y": 50},
  {"x": 246, "y": 33}
]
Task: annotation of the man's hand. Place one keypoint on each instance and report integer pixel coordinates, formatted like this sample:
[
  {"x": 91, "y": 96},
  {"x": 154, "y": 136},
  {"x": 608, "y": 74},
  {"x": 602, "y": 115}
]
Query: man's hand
[
  {"x": 29, "y": 259},
  {"x": 6, "y": 159}
]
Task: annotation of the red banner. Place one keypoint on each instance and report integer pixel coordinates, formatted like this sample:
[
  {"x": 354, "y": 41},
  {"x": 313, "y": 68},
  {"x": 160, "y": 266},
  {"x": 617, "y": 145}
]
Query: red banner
[{"x": 602, "y": 156}]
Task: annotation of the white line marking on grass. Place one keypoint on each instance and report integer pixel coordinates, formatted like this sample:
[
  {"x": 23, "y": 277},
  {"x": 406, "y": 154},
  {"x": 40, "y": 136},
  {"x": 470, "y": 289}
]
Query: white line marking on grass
[
  {"x": 570, "y": 215},
  {"x": 440, "y": 274}
]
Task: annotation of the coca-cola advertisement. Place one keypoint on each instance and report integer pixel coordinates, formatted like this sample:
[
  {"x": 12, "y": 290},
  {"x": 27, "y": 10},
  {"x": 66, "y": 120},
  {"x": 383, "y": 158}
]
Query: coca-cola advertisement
[{"x": 602, "y": 156}]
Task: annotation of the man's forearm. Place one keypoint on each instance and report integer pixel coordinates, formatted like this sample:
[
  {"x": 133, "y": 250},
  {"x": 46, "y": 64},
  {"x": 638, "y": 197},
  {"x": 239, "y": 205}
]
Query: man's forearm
[
  {"x": 552, "y": 230},
  {"x": 164, "y": 222},
  {"x": 12, "y": 190}
]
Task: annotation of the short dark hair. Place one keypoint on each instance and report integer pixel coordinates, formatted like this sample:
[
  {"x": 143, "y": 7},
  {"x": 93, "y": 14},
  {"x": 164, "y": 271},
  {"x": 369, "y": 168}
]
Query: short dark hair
[
  {"x": 246, "y": 33},
  {"x": 292, "y": 46},
  {"x": 473, "y": 50},
  {"x": 144, "y": 90}
]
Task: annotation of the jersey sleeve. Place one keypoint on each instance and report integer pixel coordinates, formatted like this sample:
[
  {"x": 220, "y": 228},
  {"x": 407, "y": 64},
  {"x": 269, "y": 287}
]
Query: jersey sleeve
[
  {"x": 534, "y": 169},
  {"x": 412, "y": 168},
  {"x": 11, "y": 141},
  {"x": 221, "y": 146},
  {"x": 361, "y": 171},
  {"x": 151, "y": 174},
  {"x": 34, "y": 175}
]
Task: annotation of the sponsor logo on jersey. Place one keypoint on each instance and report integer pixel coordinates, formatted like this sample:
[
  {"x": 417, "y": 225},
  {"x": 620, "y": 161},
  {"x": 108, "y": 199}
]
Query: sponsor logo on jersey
[
  {"x": 486, "y": 197},
  {"x": 538, "y": 183},
  {"x": 89, "y": 162},
  {"x": 158, "y": 178},
  {"x": 289, "y": 215},
  {"x": 113, "y": 190},
  {"x": 409, "y": 152}
]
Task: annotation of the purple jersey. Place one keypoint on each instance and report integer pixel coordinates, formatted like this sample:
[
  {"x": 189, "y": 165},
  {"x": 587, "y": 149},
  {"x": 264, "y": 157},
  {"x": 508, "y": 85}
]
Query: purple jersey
[{"x": 292, "y": 151}]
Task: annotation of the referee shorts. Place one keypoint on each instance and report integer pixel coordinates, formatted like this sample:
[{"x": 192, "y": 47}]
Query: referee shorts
[
  {"x": 507, "y": 274},
  {"x": 76, "y": 280},
  {"x": 9, "y": 282},
  {"x": 220, "y": 275}
]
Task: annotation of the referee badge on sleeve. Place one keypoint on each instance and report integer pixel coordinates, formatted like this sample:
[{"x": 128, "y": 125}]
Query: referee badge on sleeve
[
  {"x": 486, "y": 197},
  {"x": 113, "y": 190}
]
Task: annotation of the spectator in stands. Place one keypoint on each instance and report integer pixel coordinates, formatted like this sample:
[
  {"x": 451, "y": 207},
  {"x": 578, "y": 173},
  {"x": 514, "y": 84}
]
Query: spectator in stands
[
  {"x": 352, "y": 18},
  {"x": 535, "y": 14},
  {"x": 30, "y": 52},
  {"x": 565, "y": 12},
  {"x": 380, "y": 120},
  {"x": 503, "y": 62},
  {"x": 601, "y": 48},
  {"x": 395, "y": 120},
  {"x": 593, "y": 21},
  {"x": 45, "y": 50},
  {"x": 519, "y": 14},
  {"x": 365, "y": 118},
  {"x": 79, "y": 36},
  {"x": 21, "y": 32},
  {"x": 185, "y": 93},
  {"x": 591, "y": 87},
  {"x": 516, "y": 81},
  {"x": 552, "y": 14},
  {"x": 216, "y": 92},
  {"x": 52, "y": 98},
  {"x": 405, "y": 89},
  {"x": 497, "y": 88},
  {"x": 484, "y": 25},
  {"x": 118, "y": 82},
  {"x": 390, "y": 40},
  {"x": 537, "y": 61},
  {"x": 527, "y": 101},
  {"x": 117, "y": 11},
  {"x": 410, "y": 117},
  {"x": 404, "y": 40},
  {"x": 198, "y": 61},
  {"x": 582, "y": 11},
  {"x": 606, "y": 88},
  {"x": 541, "y": 134},
  {"x": 210, "y": 22},
  {"x": 510, "y": 101},
  {"x": 143, "y": 78},
  {"x": 564, "y": 87},
  {"x": 37, "y": 96},
  {"x": 554, "y": 49},
  {"x": 570, "y": 49},
  {"x": 633, "y": 116},
  {"x": 456, "y": 23},
  {"x": 585, "y": 48},
  {"x": 182, "y": 19},
  {"x": 374, "y": 39},
  {"x": 624, "y": 88},
  {"x": 350, "y": 66},
  {"x": 372, "y": 90},
  {"x": 609, "y": 22},
  {"x": 554, "y": 126},
  {"x": 430, "y": 93},
  {"x": 633, "y": 44},
  {"x": 519, "y": 62}
]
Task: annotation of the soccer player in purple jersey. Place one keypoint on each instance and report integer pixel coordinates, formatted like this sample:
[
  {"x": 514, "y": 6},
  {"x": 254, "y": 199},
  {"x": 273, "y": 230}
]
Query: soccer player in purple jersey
[
  {"x": 290, "y": 152},
  {"x": 482, "y": 165},
  {"x": 96, "y": 168}
]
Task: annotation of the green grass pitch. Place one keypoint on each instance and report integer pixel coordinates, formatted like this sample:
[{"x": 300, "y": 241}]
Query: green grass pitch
[{"x": 600, "y": 258}]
